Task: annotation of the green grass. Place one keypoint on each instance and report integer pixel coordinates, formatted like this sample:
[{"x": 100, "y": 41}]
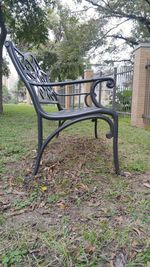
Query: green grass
[
  {"x": 18, "y": 136},
  {"x": 85, "y": 215}
]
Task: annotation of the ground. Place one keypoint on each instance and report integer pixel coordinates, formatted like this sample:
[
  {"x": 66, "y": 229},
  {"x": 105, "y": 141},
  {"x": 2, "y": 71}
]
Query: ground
[{"x": 76, "y": 212}]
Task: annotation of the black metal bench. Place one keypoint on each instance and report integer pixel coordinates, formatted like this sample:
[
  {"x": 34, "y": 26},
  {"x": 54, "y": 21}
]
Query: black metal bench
[{"x": 37, "y": 83}]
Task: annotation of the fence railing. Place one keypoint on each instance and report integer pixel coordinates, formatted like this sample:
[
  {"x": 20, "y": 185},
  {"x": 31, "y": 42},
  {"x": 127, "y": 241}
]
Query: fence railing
[
  {"x": 118, "y": 98},
  {"x": 122, "y": 95}
]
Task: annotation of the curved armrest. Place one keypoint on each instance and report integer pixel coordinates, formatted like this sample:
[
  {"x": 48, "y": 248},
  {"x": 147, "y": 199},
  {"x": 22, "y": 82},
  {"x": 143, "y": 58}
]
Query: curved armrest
[
  {"x": 110, "y": 84},
  {"x": 48, "y": 84},
  {"x": 71, "y": 94}
]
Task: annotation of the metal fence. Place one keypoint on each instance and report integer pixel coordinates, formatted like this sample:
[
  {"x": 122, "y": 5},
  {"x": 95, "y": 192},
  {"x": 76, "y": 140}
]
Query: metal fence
[
  {"x": 122, "y": 96},
  {"x": 146, "y": 114},
  {"x": 118, "y": 98}
]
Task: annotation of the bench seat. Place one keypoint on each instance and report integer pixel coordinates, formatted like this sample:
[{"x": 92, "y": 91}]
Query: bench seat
[{"x": 67, "y": 114}]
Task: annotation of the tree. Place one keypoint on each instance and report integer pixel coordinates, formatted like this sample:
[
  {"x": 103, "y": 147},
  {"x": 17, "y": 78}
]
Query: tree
[
  {"x": 64, "y": 55},
  {"x": 136, "y": 11},
  {"x": 117, "y": 13},
  {"x": 3, "y": 34},
  {"x": 26, "y": 23}
]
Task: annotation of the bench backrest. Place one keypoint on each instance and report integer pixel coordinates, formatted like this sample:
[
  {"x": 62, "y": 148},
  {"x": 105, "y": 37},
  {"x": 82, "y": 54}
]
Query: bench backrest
[{"x": 30, "y": 72}]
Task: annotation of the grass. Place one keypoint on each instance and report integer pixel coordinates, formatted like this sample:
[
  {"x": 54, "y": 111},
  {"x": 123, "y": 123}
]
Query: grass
[{"x": 76, "y": 212}]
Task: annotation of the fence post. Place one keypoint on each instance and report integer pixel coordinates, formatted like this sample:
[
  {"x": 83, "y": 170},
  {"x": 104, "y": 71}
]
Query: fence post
[
  {"x": 100, "y": 89},
  {"x": 88, "y": 74},
  {"x": 114, "y": 89},
  {"x": 141, "y": 56},
  {"x": 28, "y": 98},
  {"x": 68, "y": 90}
]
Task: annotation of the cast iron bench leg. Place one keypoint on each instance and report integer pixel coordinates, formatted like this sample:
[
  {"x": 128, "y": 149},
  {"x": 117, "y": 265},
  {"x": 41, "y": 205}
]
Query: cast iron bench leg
[
  {"x": 95, "y": 129},
  {"x": 40, "y": 132}
]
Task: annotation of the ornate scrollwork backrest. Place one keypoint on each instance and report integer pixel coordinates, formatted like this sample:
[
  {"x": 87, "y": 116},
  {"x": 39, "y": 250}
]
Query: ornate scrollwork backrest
[{"x": 31, "y": 72}]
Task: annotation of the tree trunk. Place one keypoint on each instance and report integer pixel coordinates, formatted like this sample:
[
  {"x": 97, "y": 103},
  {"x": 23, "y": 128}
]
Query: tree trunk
[
  {"x": 3, "y": 34},
  {"x": 1, "y": 82}
]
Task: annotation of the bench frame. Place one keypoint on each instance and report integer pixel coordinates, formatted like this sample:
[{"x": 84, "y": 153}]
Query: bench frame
[{"x": 37, "y": 82}]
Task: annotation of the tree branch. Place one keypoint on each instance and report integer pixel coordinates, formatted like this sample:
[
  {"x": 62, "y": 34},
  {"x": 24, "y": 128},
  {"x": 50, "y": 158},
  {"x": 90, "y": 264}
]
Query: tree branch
[
  {"x": 147, "y": 1},
  {"x": 129, "y": 40},
  {"x": 108, "y": 9},
  {"x": 106, "y": 34},
  {"x": 118, "y": 61}
]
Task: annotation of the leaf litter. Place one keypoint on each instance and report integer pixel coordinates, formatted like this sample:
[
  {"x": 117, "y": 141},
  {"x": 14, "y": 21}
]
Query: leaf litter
[{"x": 92, "y": 213}]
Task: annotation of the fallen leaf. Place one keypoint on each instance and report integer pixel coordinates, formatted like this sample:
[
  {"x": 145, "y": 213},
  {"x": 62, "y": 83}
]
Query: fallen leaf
[
  {"x": 73, "y": 229},
  {"x": 43, "y": 188},
  {"x": 118, "y": 197},
  {"x": 62, "y": 205},
  {"x": 127, "y": 174},
  {"x": 10, "y": 181},
  {"x": 80, "y": 165},
  {"x": 4, "y": 206},
  {"x": 147, "y": 185},
  {"x": 134, "y": 244},
  {"x": 42, "y": 204},
  {"x": 119, "y": 219},
  {"x": 132, "y": 254},
  {"x": 137, "y": 231},
  {"x": 89, "y": 249},
  {"x": 111, "y": 264},
  {"x": 82, "y": 186},
  {"x": 41, "y": 162},
  {"x": 94, "y": 189},
  {"x": 15, "y": 213}
]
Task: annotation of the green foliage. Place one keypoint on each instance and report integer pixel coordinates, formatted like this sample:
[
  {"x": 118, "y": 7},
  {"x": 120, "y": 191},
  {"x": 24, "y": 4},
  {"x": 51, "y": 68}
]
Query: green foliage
[
  {"x": 13, "y": 256},
  {"x": 137, "y": 12},
  {"x": 2, "y": 219},
  {"x": 118, "y": 15},
  {"x": 5, "y": 68},
  {"x": 21, "y": 90},
  {"x": 25, "y": 20},
  {"x": 6, "y": 95},
  {"x": 64, "y": 56},
  {"x": 26, "y": 23},
  {"x": 23, "y": 204},
  {"x": 123, "y": 100}
]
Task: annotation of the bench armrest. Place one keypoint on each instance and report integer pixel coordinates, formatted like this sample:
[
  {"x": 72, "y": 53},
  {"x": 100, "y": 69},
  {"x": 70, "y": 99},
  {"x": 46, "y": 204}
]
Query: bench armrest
[
  {"x": 110, "y": 83},
  {"x": 94, "y": 80}
]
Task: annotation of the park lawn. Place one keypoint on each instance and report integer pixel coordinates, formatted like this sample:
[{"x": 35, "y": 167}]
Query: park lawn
[{"x": 76, "y": 211}]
